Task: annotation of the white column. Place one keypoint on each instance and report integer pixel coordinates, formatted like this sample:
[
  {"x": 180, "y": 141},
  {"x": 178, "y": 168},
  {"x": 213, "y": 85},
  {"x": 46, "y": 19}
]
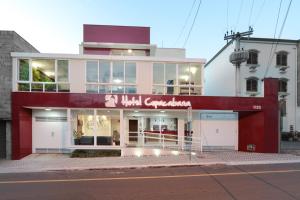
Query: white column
[
  {"x": 180, "y": 132},
  {"x": 69, "y": 130},
  {"x": 122, "y": 129}
]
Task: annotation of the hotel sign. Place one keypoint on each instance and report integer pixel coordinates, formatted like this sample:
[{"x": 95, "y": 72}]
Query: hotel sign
[{"x": 112, "y": 101}]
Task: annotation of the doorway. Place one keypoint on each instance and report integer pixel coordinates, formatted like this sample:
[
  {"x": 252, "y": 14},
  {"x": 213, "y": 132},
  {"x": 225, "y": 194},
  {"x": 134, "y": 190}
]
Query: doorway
[{"x": 2, "y": 139}]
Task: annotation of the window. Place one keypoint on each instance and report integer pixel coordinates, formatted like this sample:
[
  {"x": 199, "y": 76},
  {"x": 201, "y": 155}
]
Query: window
[
  {"x": 43, "y": 70},
  {"x": 281, "y": 58},
  {"x": 43, "y": 75},
  {"x": 92, "y": 71},
  {"x": 251, "y": 84},
  {"x": 171, "y": 78},
  {"x": 253, "y": 57},
  {"x": 111, "y": 77},
  {"x": 95, "y": 127},
  {"x": 282, "y": 87}
]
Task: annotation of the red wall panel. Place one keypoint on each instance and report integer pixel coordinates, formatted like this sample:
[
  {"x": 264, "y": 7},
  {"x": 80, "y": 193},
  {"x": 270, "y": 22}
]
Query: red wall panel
[{"x": 116, "y": 34}]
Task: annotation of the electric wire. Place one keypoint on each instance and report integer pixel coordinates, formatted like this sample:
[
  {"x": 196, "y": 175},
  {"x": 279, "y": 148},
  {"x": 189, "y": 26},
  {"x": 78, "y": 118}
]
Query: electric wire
[
  {"x": 185, "y": 23},
  {"x": 192, "y": 26},
  {"x": 227, "y": 14},
  {"x": 270, "y": 58},
  {"x": 239, "y": 15},
  {"x": 259, "y": 12},
  {"x": 250, "y": 15}
]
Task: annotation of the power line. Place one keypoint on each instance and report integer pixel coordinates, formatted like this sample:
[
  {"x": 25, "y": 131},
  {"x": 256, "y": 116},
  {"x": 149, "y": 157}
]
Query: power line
[
  {"x": 185, "y": 23},
  {"x": 239, "y": 14},
  {"x": 259, "y": 12},
  {"x": 192, "y": 26},
  {"x": 281, "y": 30},
  {"x": 227, "y": 14},
  {"x": 250, "y": 15},
  {"x": 274, "y": 36}
]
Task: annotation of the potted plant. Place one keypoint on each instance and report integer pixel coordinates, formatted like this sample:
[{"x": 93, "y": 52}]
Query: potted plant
[{"x": 76, "y": 136}]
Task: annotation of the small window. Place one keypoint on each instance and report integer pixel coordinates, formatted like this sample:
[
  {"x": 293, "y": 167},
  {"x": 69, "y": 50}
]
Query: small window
[
  {"x": 282, "y": 87},
  {"x": 253, "y": 55},
  {"x": 282, "y": 106},
  {"x": 252, "y": 84},
  {"x": 281, "y": 58}
]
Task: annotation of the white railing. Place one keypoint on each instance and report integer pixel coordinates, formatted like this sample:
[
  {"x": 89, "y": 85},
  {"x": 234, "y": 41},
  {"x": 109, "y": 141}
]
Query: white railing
[{"x": 164, "y": 141}]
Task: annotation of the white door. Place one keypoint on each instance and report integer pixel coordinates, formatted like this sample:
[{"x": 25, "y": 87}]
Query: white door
[
  {"x": 48, "y": 135},
  {"x": 219, "y": 130}
]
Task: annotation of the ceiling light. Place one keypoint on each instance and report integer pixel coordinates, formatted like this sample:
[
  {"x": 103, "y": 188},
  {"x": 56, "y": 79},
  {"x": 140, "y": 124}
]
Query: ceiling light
[
  {"x": 162, "y": 111},
  {"x": 48, "y": 109}
]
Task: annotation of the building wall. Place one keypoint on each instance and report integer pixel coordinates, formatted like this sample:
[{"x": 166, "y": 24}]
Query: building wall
[
  {"x": 10, "y": 41},
  {"x": 220, "y": 75}
]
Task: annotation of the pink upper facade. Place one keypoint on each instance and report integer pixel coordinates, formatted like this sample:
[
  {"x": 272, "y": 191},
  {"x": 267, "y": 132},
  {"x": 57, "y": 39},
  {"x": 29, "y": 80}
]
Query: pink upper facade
[{"x": 116, "y": 34}]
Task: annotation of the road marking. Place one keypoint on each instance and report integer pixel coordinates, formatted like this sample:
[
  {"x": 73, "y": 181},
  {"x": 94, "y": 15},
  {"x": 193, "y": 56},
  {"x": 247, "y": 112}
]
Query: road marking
[{"x": 147, "y": 177}]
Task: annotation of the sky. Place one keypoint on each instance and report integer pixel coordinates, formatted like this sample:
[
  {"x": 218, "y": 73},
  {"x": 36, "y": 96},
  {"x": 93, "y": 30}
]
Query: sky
[{"x": 55, "y": 26}]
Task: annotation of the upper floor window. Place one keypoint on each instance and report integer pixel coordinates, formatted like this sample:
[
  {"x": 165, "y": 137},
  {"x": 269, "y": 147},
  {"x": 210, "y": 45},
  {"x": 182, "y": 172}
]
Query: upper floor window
[
  {"x": 171, "y": 78},
  {"x": 253, "y": 57},
  {"x": 44, "y": 75},
  {"x": 110, "y": 77},
  {"x": 281, "y": 58},
  {"x": 282, "y": 85},
  {"x": 252, "y": 84}
]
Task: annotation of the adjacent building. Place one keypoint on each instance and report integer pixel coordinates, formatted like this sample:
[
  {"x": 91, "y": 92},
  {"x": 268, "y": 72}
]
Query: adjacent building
[
  {"x": 10, "y": 41},
  {"x": 267, "y": 58}
]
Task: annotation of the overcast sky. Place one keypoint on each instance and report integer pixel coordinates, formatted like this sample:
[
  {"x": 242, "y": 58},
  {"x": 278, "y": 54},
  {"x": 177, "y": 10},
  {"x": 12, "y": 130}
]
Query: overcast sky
[{"x": 55, "y": 26}]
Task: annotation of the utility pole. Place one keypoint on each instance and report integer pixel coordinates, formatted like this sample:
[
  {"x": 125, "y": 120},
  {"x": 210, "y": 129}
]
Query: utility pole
[{"x": 238, "y": 56}]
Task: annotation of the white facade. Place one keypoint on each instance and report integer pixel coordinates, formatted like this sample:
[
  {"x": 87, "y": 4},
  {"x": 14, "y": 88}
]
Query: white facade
[{"x": 220, "y": 74}]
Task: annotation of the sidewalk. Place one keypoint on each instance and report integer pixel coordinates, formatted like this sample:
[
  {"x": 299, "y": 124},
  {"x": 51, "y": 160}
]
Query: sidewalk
[{"x": 51, "y": 162}]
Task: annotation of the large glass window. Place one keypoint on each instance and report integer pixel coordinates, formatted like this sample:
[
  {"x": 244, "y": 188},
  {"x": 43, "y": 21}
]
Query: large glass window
[
  {"x": 23, "y": 70},
  {"x": 171, "y": 78},
  {"x": 118, "y": 72},
  {"x": 114, "y": 77},
  {"x": 83, "y": 124},
  {"x": 92, "y": 71},
  {"x": 43, "y": 75},
  {"x": 43, "y": 70},
  {"x": 104, "y": 71},
  {"x": 130, "y": 72},
  {"x": 158, "y": 73},
  {"x": 62, "y": 71}
]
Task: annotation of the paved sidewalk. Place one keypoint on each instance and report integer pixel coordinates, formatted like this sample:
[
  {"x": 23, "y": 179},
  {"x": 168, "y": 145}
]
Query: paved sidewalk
[{"x": 51, "y": 162}]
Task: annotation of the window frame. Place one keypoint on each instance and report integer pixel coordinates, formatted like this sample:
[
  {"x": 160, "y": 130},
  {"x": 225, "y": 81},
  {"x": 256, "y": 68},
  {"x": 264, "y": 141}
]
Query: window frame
[
  {"x": 251, "y": 86},
  {"x": 281, "y": 54},
  {"x": 252, "y": 51},
  {"x": 176, "y": 86}
]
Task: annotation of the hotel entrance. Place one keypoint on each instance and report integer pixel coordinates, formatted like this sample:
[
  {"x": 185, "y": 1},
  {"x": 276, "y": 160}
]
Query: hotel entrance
[{"x": 151, "y": 129}]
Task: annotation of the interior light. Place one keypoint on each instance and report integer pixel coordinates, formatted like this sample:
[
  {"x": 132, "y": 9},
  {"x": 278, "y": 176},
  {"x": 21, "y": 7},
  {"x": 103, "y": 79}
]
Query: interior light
[
  {"x": 48, "y": 109},
  {"x": 156, "y": 152},
  {"x": 176, "y": 153},
  {"x": 184, "y": 77},
  {"x": 90, "y": 117},
  {"x": 193, "y": 153},
  {"x": 117, "y": 81},
  {"x": 136, "y": 111},
  {"x": 138, "y": 153},
  {"x": 49, "y": 73},
  {"x": 193, "y": 70},
  {"x": 162, "y": 111},
  {"x": 35, "y": 65},
  {"x": 108, "y": 111},
  {"x": 129, "y": 50}
]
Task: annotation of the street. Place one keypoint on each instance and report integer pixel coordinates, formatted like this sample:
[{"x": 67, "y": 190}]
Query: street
[{"x": 280, "y": 181}]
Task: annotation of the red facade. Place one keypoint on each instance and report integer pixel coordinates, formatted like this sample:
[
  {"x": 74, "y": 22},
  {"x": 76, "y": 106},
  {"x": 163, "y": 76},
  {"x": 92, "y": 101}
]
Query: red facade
[{"x": 258, "y": 117}]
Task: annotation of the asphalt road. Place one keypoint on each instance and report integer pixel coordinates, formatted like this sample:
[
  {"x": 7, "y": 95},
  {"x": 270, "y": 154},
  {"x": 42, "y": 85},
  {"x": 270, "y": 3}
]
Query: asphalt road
[{"x": 172, "y": 183}]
